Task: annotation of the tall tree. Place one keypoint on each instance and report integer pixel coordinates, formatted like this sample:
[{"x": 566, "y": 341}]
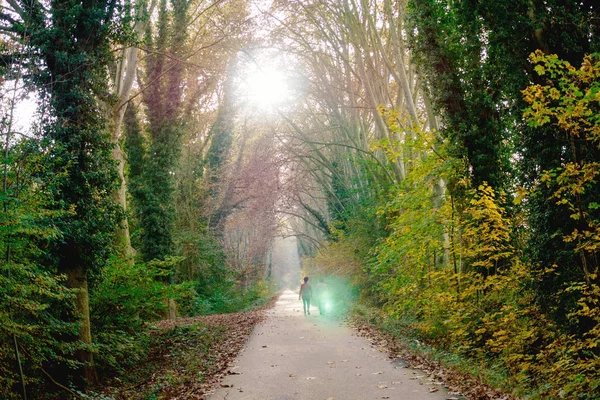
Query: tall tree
[
  {"x": 353, "y": 64},
  {"x": 188, "y": 37},
  {"x": 464, "y": 86},
  {"x": 479, "y": 92},
  {"x": 123, "y": 78},
  {"x": 73, "y": 40},
  {"x": 163, "y": 99}
]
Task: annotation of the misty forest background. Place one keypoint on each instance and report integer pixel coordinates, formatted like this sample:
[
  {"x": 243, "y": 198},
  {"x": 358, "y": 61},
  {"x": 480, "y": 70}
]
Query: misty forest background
[{"x": 437, "y": 160}]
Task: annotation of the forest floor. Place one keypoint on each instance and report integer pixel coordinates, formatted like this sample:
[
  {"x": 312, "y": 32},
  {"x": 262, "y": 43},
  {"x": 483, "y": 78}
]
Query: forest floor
[
  {"x": 277, "y": 353},
  {"x": 187, "y": 356}
]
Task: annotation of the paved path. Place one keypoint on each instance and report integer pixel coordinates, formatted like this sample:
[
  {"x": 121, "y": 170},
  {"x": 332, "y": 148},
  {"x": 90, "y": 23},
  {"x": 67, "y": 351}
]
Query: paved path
[{"x": 292, "y": 357}]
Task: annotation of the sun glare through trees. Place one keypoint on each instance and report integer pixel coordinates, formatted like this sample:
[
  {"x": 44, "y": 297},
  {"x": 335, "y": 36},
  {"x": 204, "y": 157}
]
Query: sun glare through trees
[{"x": 264, "y": 87}]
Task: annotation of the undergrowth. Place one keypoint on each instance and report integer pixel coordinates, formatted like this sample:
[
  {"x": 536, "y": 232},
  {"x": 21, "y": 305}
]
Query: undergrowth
[{"x": 176, "y": 357}]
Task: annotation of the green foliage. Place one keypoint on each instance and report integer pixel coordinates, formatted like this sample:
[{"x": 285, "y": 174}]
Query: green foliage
[
  {"x": 163, "y": 99},
  {"x": 528, "y": 260},
  {"x": 135, "y": 291},
  {"x": 226, "y": 296},
  {"x": 33, "y": 312},
  {"x": 72, "y": 44},
  {"x": 478, "y": 303},
  {"x": 58, "y": 220},
  {"x": 454, "y": 264},
  {"x": 487, "y": 232},
  {"x": 36, "y": 309},
  {"x": 204, "y": 257},
  {"x": 80, "y": 163},
  {"x": 221, "y": 132},
  {"x": 213, "y": 287},
  {"x": 126, "y": 298},
  {"x": 451, "y": 270},
  {"x": 417, "y": 221},
  {"x": 572, "y": 103},
  {"x": 463, "y": 63},
  {"x": 567, "y": 106}
]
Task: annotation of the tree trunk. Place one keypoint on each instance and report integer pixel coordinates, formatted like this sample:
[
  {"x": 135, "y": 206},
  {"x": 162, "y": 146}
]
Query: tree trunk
[
  {"x": 77, "y": 279},
  {"x": 172, "y": 309},
  {"x": 123, "y": 83},
  {"x": 119, "y": 196}
]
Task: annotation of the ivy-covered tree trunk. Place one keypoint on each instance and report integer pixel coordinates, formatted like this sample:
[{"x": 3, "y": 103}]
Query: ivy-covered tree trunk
[
  {"x": 463, "y": 87},
  {"x": 77, "y": 279},
  {"x": 73, "y": 40},
  {"x": 163, "y": 100},
  {"x": 119, "y": 194},
  {"x": 124, "y": 76},
  {"x": 221, "y": 137}
]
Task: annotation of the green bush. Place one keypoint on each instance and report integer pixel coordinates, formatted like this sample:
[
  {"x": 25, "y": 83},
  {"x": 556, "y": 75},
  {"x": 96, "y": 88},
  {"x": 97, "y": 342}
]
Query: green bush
[
  {"x": 228, "y": 297},
  {"x": 36, "y": 308},
  {"x": 125, "y": 299},
  {"x": 36, "y": 311}
]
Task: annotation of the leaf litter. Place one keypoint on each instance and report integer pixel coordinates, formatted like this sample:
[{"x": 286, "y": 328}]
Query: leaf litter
[
  {"x": 188, "y": 357},
  {"x": 458, "y": 383}
]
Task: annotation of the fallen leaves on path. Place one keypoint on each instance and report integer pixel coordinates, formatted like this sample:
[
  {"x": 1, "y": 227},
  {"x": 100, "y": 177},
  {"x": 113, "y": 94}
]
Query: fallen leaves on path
[
  {"x": 190, "y": 356},
  {"x": 460, "y": 383}
]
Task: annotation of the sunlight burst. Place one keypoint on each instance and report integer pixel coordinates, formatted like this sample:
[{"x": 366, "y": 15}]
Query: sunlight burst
[{"x": 266, "y": 88}]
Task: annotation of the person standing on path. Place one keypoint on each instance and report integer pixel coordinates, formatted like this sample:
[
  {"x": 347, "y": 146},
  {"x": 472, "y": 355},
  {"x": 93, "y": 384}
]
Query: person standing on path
[{"x": 305, "y": 294}]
